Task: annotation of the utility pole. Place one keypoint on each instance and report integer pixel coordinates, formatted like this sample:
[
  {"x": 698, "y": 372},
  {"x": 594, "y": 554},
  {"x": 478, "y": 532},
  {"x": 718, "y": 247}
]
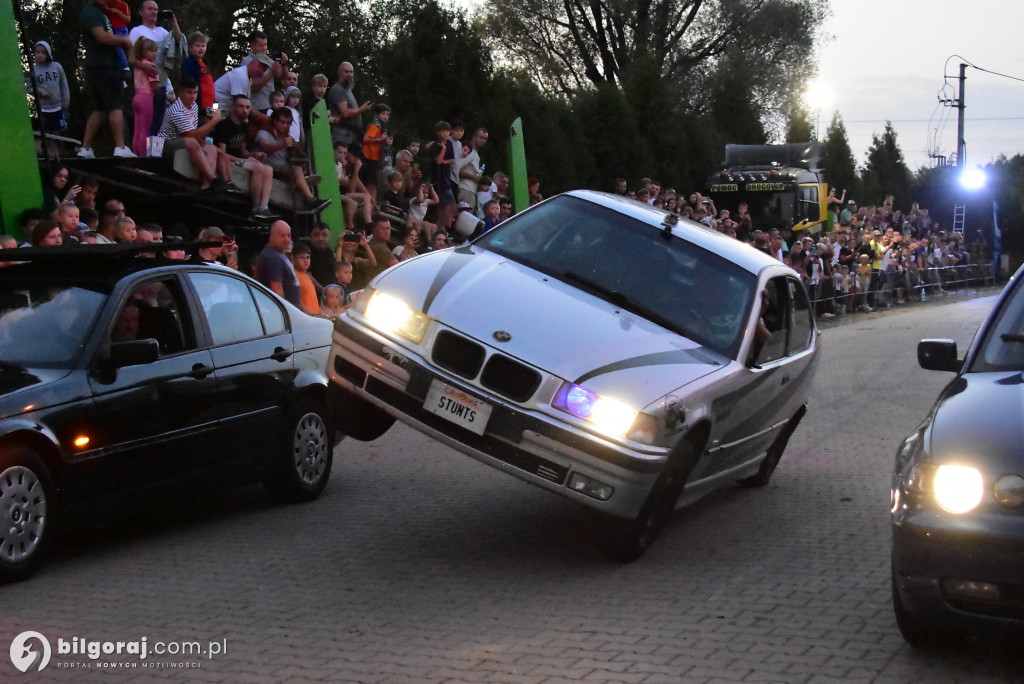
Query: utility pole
[
  {"x": 961, "y": 144},
  {"x": 960, "y": 209}
]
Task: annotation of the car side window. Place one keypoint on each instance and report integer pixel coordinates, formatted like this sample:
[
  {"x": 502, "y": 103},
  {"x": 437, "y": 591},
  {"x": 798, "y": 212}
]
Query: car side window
[
  {"x": 230, "y": 310},
  {"x": 802, "y": 324},
  {"x": 270, "y": 311},
  {"x": 154, "y": 311},
  {"x": 771, "y": 333}
]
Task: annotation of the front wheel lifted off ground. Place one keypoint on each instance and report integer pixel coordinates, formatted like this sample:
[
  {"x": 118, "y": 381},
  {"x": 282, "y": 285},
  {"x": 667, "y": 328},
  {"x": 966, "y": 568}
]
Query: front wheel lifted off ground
[
  {"x": 27, "y": 511},
  {"x": 306, "y": 454},
  {"x": 627, "y": 540}
]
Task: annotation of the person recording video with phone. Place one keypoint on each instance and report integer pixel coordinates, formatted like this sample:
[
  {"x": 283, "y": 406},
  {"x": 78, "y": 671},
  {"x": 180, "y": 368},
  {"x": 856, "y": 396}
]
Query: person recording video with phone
[{"x": 163, "y": 94}]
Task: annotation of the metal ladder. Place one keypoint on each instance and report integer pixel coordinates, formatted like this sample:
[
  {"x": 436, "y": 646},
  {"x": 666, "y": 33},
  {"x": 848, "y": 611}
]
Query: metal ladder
[{"x": 958, "y": 218}]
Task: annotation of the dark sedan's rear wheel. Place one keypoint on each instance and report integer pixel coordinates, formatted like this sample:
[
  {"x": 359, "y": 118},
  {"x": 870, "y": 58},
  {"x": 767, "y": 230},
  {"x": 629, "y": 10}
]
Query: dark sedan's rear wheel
[
  {"x": 27, "y": 511},
  {"x": 307, "y": 453},
  {"x": 627, "y": 540}
]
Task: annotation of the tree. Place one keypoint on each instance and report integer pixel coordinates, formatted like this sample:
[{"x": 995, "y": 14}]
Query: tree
[
  {"x": 885, "y": 172},
  {"x": 570, "y": 45},
  {"x": 799, "y": 128},
  {"x": 840, "y": 165}
]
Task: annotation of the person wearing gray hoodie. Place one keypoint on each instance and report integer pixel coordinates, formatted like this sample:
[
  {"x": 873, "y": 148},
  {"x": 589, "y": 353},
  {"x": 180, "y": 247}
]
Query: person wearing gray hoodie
[{"x": 51, "y": 88}]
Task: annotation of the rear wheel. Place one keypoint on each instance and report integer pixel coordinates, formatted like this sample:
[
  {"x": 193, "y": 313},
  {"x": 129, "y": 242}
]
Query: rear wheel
[
  {"x": 306, "y": 456},
  {"x": 774, "y": 454},
  {"x": 27, "y": 511},
  {"x": 627, "y": 540}
]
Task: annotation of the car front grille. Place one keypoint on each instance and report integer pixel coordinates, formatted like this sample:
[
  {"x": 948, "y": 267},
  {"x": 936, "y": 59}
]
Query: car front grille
[
  {"x": 510, "y": 378},
  {"x": 458, "y": 354}
]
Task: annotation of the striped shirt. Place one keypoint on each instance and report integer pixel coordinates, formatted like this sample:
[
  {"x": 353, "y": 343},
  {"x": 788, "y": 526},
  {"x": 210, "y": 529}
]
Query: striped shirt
[{"x": 178, "y": 120}]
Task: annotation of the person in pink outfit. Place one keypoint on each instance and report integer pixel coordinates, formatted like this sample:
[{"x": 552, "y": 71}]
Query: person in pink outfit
[{"x": 143, "y": 53}]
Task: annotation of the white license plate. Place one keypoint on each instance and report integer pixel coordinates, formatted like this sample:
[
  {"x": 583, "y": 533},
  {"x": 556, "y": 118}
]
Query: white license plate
[{"x": 455, "y": 405}]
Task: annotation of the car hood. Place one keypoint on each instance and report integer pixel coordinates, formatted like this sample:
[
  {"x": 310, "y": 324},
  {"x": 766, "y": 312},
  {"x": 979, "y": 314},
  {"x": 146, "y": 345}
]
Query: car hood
[
  {"x": 978, "y": 418},
  {"x": 17, "y": 381},
  {"x": 550, "y": 324}
]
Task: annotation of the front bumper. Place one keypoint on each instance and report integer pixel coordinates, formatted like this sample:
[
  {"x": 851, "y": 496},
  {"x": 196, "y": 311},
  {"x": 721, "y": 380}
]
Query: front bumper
[
  {"x": 960, "y": 568},
  {"x": 522, "y": 442}
]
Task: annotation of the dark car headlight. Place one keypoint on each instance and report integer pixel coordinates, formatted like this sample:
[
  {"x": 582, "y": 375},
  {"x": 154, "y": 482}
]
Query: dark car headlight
[{"x": 957, "y": 488}]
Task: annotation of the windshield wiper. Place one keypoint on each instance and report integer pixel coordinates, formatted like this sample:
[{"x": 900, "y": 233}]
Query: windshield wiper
[
  {"x": 624, "y": 300},
  {"x": 1012, "y": 337}
]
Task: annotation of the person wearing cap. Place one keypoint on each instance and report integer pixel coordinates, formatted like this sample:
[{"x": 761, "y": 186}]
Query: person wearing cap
[
  {"x": 848, "y": 213},
  {"x": 213, "y": 255},
  {"x": 52, "y": 89},
  {"x": 239, "y": 81}
]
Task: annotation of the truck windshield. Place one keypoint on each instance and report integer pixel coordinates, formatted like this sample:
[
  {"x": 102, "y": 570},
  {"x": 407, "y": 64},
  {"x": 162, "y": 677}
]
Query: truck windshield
[{"x": 767, "y": 209}]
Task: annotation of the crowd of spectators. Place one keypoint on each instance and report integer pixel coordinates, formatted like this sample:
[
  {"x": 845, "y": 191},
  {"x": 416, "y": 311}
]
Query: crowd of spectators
[
  {"x": 255, "y": 118},
  {"x": 868, "y": 257},
  {"x": 252, "y": 123}
]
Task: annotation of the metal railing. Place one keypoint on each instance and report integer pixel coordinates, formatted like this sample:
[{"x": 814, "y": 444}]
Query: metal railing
[{"x": 829, "y": 297}]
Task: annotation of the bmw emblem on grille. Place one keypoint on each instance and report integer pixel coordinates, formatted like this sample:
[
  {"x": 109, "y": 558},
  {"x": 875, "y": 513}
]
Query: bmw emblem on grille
[{"x": 502, "y": 336}]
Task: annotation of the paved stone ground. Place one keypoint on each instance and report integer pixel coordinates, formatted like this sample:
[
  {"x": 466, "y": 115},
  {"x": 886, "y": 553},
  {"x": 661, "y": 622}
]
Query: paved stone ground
[{"x": 421, "y": 565}]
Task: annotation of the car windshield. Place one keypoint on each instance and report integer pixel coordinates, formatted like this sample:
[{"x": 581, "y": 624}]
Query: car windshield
[
  {"x": 1003, "y": 346},
  {"x": 45, "y": 325},
  {"x": 671, "y": 282}
]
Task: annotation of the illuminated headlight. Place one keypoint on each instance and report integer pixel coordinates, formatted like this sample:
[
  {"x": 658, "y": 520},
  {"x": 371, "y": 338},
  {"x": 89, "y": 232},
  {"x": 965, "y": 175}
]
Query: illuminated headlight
[
  {"x": 608, "y": 415},
  {"x": 958, "y": 489},
  {"x": 391, "y": 314}
]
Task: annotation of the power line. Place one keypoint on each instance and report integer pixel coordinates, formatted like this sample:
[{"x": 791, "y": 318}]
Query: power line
[{"x": 973, "y": 118}]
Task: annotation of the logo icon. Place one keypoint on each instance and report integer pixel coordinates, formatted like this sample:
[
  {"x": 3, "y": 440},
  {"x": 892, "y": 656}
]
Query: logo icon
[
  {"x": 502, "y": 336},
  {"x": 24, "y": 653}
]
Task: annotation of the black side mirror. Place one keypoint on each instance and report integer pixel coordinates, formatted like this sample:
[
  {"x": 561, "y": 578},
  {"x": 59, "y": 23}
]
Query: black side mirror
[
  {"x": 938, "y": 355},
  {"x": 133, "y": 353}
]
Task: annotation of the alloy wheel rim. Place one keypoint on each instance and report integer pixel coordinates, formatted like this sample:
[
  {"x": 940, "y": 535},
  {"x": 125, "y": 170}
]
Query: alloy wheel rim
[{"x": 22, "y": 513}]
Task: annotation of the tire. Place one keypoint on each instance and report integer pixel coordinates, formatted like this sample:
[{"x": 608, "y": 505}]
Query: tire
[
  {"x": 306, "y": 456},
  {"x": 774, "y": 453},
  {"x": 359, "y": 419},
  {"x": 628, "y": 540},
  {"x": 916, "y": 631},
  {"x": 28, "y": 505}
]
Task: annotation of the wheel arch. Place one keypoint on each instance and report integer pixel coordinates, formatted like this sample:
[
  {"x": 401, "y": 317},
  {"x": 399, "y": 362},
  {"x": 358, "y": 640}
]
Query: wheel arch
[{"x": 41, "y": 441}]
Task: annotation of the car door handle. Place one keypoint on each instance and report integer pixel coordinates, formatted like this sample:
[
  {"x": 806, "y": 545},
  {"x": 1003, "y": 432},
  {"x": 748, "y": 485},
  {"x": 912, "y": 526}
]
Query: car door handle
[
  {"x": 280, "y": 354},
  {"x": 785, "y": 379},
  {"x": 200, "y": 371}
]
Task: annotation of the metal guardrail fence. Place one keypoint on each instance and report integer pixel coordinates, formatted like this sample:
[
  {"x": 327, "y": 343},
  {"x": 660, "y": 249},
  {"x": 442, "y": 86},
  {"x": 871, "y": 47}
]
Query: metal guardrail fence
[{"x": 886, "y": 288}]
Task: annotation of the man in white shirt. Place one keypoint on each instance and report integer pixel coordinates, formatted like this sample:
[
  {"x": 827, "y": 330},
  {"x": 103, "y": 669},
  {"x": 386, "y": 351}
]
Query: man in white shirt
[{"x": 239, "y": 81}]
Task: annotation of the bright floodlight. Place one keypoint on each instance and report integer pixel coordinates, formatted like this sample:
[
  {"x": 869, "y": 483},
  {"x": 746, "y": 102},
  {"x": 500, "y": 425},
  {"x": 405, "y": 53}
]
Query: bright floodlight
[
  {"x": 818, "y": 95},
  {"x": 973, "y": 179}
]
